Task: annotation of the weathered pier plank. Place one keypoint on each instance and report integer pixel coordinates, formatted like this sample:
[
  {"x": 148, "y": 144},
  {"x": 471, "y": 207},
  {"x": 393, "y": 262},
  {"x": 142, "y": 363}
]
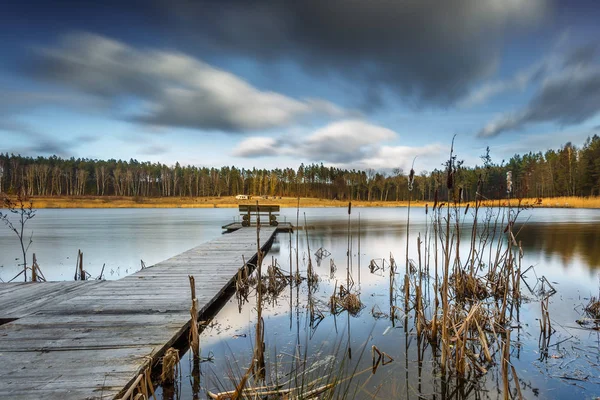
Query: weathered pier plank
[
  {"x": 91, "y": 339},
  {"x": 20, "y": 299}
]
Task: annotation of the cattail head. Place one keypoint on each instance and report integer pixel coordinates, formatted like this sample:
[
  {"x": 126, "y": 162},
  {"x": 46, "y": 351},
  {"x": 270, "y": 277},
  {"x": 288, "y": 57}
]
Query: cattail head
[
  {"x": 411, "y": 179},
  {"x": 426, "y": 208},
  {"x": 450, "y": 179},
  {"x": 509, "y": 182},
  {"x": 349, "y": 207},
  {"x": 467, "y": 208}
]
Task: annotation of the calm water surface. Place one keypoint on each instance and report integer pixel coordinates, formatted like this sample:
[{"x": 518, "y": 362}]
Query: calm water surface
[{"x": 562, "y": 245}]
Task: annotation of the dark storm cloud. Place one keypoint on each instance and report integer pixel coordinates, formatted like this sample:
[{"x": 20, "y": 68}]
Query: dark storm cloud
[
  {"x": 19, "y": 128},
  {"x": 568, "y": 98},
  {"x": 154, "y": 150},
  {"x": 38, "y": 142},
  {"x": 47, "y": 146},
  {"x": 14, "y": 101},
  {"x": 582, "y": 55},
  {"x": 427, "y": 50}
]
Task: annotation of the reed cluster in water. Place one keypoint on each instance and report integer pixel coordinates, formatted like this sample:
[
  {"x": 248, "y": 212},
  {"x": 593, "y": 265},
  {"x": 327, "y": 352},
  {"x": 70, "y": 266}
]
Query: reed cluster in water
[{"x": 460, "y": 300}]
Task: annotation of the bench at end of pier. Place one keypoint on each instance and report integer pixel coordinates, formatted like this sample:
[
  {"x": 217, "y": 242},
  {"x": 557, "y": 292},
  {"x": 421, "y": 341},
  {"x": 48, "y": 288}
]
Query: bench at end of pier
[{"x": 250, "y": 213}]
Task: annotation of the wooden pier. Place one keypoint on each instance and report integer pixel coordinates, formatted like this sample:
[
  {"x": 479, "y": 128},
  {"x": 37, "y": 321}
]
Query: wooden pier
[{"x": 92, "y": 339}]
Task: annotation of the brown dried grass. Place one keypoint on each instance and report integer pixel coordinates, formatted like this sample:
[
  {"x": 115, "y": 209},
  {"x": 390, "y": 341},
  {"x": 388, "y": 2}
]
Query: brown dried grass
[
  {"x": 593, "y": 308},
  {"x": 170, "y": 366},
  {"x": 468, "y": 287}
]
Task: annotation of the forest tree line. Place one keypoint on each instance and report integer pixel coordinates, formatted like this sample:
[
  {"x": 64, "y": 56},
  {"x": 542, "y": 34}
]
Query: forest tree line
[{"x": 567, "y": 171}]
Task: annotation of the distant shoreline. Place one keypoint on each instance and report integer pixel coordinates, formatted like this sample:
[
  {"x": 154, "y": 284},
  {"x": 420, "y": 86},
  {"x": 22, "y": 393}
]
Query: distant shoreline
[{"x": 81, "y": 202}]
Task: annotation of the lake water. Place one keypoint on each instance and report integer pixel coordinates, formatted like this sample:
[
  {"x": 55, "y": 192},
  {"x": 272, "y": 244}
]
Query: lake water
[{"x": 563, "y": 245}]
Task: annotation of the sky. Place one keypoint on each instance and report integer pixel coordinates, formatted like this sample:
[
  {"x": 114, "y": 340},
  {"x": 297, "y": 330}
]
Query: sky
[{"x": 275, "y": 83}]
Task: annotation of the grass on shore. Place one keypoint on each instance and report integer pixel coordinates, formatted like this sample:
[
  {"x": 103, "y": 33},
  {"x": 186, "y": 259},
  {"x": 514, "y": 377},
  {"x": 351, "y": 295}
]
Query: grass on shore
[{"x": 286, "y": 202}]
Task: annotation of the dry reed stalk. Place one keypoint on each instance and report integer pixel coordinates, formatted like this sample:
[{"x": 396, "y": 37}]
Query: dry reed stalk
[
  {"x": 505, "y": 364},
  {"x": 406, "y": 293},
  {"x": 471, "y": 256},
  {"x": 333, "y": 300},
  {"x": 170, "y": 366},
  {"x": 382, "y": 358},
  {"x": 392, "y": 280},
  {"x": 132, "y": 388},
  {"x": 348, "y": 254},
  {"x": 259, "y": 347},
  {"x": 446, "y": 250},
  {"x": 461, "y": 337},
  {"x": 446, "y": 266},
  {"x": 373, "y": 266},
  {"x": 484, "y": 342},
  {"x": 359, "y": 248},
  {"x": 434, "y": 324},
  {"x": 419, "y": 316},
  {"x": 194, "y": 335},
  {"x": 265, "y": 392},
  {"x": 312, "y": 276},
  {"x": 291, "y": 262},
  {"x": 406, "y": 272},
  {"x": 546, "y": 325},
  {"x": 516, "y": 379},
  {"x": 419, "y": 243},
  {"x": 142, "y": 385},
  {"x": 239, "y": 387},
  {"x": 297, "y": 241}
]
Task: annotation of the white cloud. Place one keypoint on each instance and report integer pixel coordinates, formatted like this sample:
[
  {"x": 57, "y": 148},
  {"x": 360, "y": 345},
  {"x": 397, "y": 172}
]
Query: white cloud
[
  {"x": 344, "y": 141},
  {"x": 256, "y": 146},
  {"x": 388, "y": 157},
  {"x": 347, "y": 144},
  {"x": 176, "y": 89}
]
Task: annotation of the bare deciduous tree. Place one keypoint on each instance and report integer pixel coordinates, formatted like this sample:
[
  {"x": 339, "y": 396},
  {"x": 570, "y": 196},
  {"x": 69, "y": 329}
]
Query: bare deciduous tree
[{"x": 22, "y": 208}]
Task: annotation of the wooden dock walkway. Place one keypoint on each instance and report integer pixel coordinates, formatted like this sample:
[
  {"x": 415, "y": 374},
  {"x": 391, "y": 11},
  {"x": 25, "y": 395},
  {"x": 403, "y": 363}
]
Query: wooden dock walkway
[{"x": 91, "y": 339}]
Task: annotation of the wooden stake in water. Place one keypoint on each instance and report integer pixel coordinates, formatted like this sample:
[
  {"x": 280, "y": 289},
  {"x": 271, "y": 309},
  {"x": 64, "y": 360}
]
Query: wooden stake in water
[
  {"x": 359, "y": 248},
  {"x": 298, "y": 240},
  {"x": 348, "y": 252},
  {"x": 259, "y": 346},
  {"x": 33, "y": 269},
  {"x": 194, "y": 338},
  {"x": 291, "y": 262}
]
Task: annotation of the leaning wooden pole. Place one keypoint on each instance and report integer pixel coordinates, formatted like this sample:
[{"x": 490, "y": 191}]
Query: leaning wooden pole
[{"x": 259, "y": 346}]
